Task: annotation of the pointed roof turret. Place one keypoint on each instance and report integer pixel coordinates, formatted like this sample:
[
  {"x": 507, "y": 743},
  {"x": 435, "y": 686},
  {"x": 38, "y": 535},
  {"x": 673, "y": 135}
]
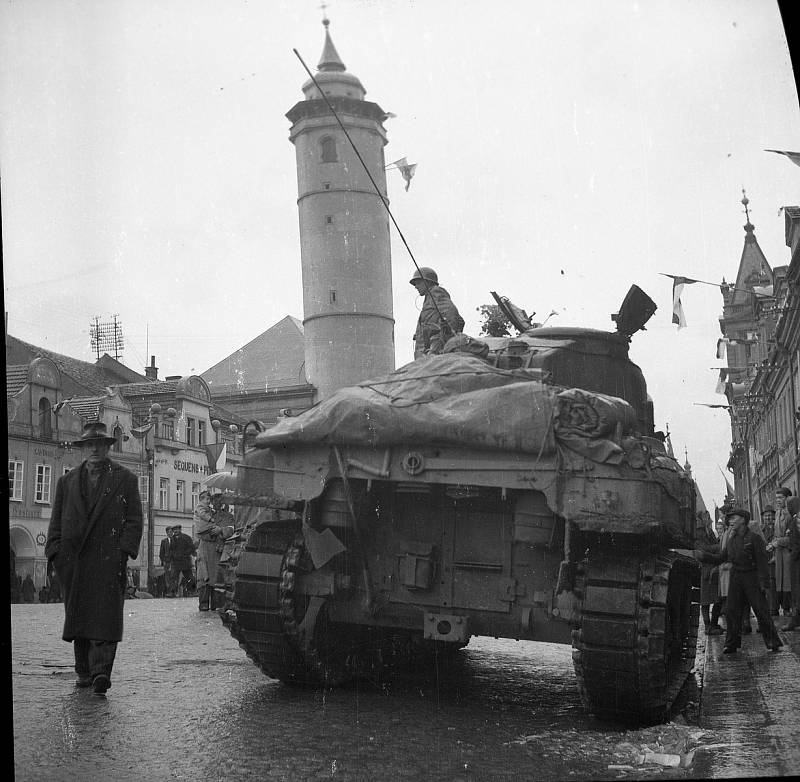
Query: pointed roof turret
[
  {"x": 332, "y": 76},
  {"x": 330, "y": 60},
  {"x": 754, "y": 270}
]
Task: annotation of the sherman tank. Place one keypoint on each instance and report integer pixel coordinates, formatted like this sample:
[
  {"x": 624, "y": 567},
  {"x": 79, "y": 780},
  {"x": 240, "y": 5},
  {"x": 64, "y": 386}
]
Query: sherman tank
[{"x": 510, "y": 487}]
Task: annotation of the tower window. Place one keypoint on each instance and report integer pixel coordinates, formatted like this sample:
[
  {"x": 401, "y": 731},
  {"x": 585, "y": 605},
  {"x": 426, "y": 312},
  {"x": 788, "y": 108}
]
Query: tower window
[
  {"x": 328, "y": 219},
  {"x": 326, "y": 185},
  {"x": 333, "y": 296},
  {"x": 328, "y": 149}
]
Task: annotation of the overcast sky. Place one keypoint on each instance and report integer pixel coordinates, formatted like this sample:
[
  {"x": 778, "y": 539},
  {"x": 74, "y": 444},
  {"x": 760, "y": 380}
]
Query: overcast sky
[{"x": 564, "y": 151}]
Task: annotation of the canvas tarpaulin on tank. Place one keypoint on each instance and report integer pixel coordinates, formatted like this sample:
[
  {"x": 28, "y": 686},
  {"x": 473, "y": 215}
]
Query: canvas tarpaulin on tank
[
  {"x": 588, "y": 423},
  {"x": 454, "y": 399}
]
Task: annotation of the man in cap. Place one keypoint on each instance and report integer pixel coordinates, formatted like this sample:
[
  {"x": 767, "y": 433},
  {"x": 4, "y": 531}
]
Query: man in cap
[
  {"x": 182, "y": 551},
  {"x": 212, "y": 532},
  {"x": 165, "y": 557},
  {"x": 95, "y": 526},
  {"x": 439, "y": 319},
  {"x": 747, "y": 554}
]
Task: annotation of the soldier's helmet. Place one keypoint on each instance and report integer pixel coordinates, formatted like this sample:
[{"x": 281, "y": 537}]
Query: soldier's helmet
[{"x": 425, "y": 273}]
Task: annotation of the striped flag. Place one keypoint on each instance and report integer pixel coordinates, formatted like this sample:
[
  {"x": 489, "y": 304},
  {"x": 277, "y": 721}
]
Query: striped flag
[
  {"x": 677, "y": 309},
  {"x": 793, "y": 156},
  {"x": 722, "y": 382},
  {"x": 216, "y": 454}
]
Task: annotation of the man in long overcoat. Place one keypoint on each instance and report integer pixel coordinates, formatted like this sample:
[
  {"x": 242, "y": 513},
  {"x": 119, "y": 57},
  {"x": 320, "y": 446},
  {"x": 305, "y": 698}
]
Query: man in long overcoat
[
  {"x": 95, "y": 525},
  {"x": 182, "y": 550},
  {"x": 213, "y": 525},
  {"x": 165, "y": 557}
]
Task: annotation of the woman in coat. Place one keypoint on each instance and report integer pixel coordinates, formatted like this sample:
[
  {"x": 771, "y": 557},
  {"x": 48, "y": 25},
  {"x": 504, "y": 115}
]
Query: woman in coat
[
  {"x": 780, "y": 545},
  {"x": 793, "y": 506},
  {"x": 710, "y": 600}
]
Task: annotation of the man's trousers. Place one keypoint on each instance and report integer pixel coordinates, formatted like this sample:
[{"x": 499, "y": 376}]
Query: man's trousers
[{"x": 744, "y": 587}]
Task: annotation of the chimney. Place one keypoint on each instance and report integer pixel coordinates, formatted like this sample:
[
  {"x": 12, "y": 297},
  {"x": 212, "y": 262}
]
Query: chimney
[{"x": 151, "y": 372}]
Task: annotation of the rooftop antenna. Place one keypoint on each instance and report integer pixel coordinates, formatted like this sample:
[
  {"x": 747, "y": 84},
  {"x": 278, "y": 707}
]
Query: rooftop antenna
[{"x": 106, "y": 337}]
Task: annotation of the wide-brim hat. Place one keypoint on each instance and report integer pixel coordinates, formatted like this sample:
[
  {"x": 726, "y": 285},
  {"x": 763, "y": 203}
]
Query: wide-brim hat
[
  {"x": 96, "y": 430},
  {"x": 176, "y": 526},
  {"x": 743, "y": 512}
]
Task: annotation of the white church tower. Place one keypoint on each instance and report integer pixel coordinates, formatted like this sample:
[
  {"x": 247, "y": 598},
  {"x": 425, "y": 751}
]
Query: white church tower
[{"x": 344, "y": 230}]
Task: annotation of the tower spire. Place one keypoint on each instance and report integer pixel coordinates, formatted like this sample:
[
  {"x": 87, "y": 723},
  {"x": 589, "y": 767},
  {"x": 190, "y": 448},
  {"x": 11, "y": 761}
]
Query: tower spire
[
  {"x": 748, "y": 226},
  {"x": 330, "y": 60}
]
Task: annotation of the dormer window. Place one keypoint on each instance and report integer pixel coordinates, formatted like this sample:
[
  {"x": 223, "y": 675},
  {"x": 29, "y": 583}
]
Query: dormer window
[{"x": 328, "y": 149}]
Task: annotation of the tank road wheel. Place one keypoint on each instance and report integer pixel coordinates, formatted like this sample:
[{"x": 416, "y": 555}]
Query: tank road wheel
[
  {"x": 331, "y": 651},
  {"x": 636, "y": 642},
  {"x": 254, "y": 618}
]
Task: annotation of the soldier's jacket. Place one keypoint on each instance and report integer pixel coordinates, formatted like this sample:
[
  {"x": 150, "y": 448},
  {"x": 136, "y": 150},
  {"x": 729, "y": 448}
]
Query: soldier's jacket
[
  {"x": 747, "y": 553},
  {"x": 432, "y": 332}
]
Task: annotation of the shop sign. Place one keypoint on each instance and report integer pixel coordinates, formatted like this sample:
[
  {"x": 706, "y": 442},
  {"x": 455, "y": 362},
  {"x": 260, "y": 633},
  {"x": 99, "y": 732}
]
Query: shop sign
[{"x": 181, "y": 466}]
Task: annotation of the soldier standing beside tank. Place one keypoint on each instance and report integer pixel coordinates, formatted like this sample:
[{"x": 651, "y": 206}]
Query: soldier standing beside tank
[
  {"x": 439, "y": 319},
  {"x": 749, "y": 580},
  {"x": 210, "y": 525}
]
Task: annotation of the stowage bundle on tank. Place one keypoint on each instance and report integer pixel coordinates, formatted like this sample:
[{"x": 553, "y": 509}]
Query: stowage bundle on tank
[{"x": 517, "y": 492}]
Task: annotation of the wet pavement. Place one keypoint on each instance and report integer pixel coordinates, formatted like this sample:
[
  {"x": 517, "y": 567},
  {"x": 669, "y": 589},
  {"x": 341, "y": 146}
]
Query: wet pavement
[{"x": 187, "y": 704}]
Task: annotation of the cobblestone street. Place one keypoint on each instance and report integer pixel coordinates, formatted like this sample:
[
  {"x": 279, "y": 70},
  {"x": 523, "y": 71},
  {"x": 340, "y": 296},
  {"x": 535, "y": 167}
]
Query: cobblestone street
[{"x": 187, "y": 704}]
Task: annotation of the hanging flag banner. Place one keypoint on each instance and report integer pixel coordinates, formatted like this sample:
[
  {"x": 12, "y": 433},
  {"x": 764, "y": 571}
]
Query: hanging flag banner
[
  {"x": 216, "y": 454},
  {"x": 677, "y": 309},
  {"x": 406, "y": 169},
  {"x": 793, "y": 156},
  {"x": 721, "y": 345},
  {"x": 723, "y": 379}
]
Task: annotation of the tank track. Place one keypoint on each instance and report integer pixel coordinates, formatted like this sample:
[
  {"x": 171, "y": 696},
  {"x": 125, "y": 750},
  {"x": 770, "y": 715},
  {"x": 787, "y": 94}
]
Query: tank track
[
  {"x": 253, "y": 613},
  {"x": 636, "y": 643}
]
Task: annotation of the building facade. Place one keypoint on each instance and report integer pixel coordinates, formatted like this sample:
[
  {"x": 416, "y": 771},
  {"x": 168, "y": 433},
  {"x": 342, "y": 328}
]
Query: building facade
[
  {"x": 42, "y": 425},
  {"x": 761, "y": 331},
  {"x": 168, "y": 432}
]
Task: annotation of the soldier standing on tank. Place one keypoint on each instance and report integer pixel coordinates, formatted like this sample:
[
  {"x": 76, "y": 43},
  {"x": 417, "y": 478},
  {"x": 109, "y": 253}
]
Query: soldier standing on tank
[
  {"x": 439, "y": 318},
  {"x": 749, "y": 580}
]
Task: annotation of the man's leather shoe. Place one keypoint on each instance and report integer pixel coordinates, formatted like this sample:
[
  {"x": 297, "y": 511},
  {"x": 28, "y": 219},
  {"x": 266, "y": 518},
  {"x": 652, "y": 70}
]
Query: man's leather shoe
[
  {"x": 746, "y": 629},
  {"x": 713, "y": 630},
  {"x": 729, "y": 650},
  {"x": 101, "y": 683},
  {"x": 775, "y": 647},
  {"x": 84, "y": 681}
]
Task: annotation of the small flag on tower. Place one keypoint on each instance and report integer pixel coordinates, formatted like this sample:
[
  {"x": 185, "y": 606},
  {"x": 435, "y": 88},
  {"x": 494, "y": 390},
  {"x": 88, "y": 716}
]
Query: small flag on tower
[
  {"x": 406, "y": 169},
  {"x": 793, "y": 156},
  {"x": 677, "y": 309}
]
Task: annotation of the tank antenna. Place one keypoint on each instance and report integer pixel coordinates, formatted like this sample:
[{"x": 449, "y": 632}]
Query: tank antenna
[{"x": 371, "y": 179}]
